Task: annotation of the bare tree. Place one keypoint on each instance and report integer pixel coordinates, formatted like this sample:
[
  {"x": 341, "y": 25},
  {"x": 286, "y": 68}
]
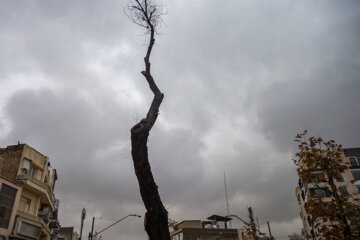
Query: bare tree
[
  {"x": 147, "y": 14},
  {"x": 251, "y": 228}
]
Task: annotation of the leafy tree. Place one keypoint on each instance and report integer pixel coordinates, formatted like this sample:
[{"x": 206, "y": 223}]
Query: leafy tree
[
  {"x": 321, "y": 163},
  {"x": 147, "y": 14}
]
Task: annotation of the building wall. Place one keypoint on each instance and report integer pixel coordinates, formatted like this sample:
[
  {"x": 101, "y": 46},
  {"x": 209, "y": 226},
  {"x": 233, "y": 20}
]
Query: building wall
[
  {"x": 190, "y": 224},
  {"x": 6, "y": 231},
  {"x": 67, "y": 233},
  {"x": 354, "y": 155},
  {"x": 303, "y": 193},
  {"x": 194, "y": 231},
  {"x": 11, "y": 157},
  {"x": 210, "y": 234},
  {"x": 29, "y": 202},
  {"x": 38, "y": 161},
  {"x": 27, "y": 166},
  {"x": 2, "y": 159}
]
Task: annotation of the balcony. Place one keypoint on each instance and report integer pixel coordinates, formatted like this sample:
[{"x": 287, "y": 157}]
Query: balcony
[
  {"x": 30, "y": 226},
  {"x": 354, "y": 167},
  {"x": 39, "y": 187}
]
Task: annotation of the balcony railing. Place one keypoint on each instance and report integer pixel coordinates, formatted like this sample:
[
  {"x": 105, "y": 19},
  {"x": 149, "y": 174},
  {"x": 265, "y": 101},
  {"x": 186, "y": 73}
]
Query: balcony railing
[
  {"x": 33, "y": 219},
  {"x": 31, "y": 178},
  {"x": 46, "y": 188}
]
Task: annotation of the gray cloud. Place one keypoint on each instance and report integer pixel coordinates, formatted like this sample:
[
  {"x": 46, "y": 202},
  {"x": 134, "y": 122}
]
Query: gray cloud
[{"x": 240, "y": 79}]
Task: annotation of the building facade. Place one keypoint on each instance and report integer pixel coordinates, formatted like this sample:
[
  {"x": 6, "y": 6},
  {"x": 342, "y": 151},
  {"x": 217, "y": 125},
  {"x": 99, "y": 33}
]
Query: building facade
[
  {"x": 68, "y": 233},
  {"x": 347, "y": 184},
  {"x": 212, "y": 229},
  {"x": 9, "y": 198},
  {"x": 353, "y": 156},
  {"x": 36, "y": 209}
]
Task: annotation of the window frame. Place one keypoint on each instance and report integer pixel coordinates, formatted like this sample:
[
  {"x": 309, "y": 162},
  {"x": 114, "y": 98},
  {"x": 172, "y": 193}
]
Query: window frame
[
  {"x": 343, "y": 191},
  {"x": 32, "y": 171},
  {"x": 7, "y": 200},
  {"x": 357, "y": 173},
  {"x": 325, "y": 192},
  {"x": 353, "y": 162}
]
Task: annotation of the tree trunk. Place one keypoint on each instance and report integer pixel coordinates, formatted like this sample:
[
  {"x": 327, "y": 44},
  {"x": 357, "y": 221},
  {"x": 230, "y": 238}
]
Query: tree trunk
[
  {"x": 341, "y": 212},
  {"x": 156, "y": 219}
]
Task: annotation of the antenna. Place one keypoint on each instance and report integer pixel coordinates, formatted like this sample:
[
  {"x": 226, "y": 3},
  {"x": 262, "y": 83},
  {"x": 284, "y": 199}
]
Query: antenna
[{"x": 227, "y": 199}]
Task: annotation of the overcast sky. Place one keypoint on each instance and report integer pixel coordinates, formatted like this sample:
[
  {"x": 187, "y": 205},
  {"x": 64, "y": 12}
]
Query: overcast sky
[{"x": 240, "y": 78}]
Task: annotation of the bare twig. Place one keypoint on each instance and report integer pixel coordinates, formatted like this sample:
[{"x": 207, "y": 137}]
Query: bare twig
[{"x": 146, "y": 14}]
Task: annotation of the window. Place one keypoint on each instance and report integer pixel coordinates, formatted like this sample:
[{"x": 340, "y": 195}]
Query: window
[
  {"x": 28, "y": 229},
  {"x": 354, "y": 222},
  {"x": 358, "y": 187},
  {"x": 343, "y": 191},
  {"x": 359, "y": 161},
  {"x": 32, "y": 171},
  {"x": 7, "y": 197},
  {"x": 24, "y": 204},
  {"x": 356, "y": 175},
  {"x": 319, "y": 192},
  {"x": 339, "y": 178},
  {"x": 352, "y": 162},
  {"x": 317, "y": 177}
]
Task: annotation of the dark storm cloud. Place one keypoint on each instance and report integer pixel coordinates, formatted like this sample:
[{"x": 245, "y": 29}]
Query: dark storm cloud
[
  {"x": 90, "y": 150},
  {"x": 59, "y": 38},
  {"x": 323, "y": 96},
  {"x": 327, "y": 106}
]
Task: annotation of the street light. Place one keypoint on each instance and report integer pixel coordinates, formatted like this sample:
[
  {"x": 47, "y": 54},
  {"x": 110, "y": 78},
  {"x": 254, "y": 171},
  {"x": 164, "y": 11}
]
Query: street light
[
  {"x": 246, "y": 223},
  {"x": 92, "y": 228},
  {"x": 83, "y": 215},
  {"x": 238, "y": 218}
]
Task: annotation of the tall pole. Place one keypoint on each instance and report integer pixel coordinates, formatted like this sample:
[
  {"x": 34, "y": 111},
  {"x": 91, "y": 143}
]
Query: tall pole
[
  {"x": 92, "y": 229},
  {"x": 227, "y": 200},
  {"x": 83, "y": 215},
  {"x": 269, "y": 229}
]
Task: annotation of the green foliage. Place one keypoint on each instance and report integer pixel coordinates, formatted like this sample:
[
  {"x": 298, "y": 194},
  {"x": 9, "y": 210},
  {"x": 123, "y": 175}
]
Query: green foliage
[{"x": 320, "y": 163}]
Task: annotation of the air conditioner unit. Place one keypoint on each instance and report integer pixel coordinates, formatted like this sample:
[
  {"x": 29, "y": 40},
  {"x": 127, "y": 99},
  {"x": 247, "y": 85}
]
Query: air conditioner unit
[
  {"x": 44, "y": 211},
  {"x": 26, "y": 164}
]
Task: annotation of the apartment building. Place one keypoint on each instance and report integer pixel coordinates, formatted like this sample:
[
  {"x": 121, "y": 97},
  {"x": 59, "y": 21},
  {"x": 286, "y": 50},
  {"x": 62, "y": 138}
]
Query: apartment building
[
  {"x": 348, "y": 183},
  {"x": 67, "y": 233},
  {"x": 36, "y": 207},
  {"x": 214, "y": 228},
  {"x": 9, "y": 198},
  {"x": 353, "y": 156}
]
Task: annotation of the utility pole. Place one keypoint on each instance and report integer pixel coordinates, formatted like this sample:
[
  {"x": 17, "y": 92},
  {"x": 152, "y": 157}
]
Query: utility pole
[
  {"x": 269, "y": 229},
  {"x": 91, "y": 234},
  {"x": 83, "y": 215},
  {"x": 227, "y": 201}
]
